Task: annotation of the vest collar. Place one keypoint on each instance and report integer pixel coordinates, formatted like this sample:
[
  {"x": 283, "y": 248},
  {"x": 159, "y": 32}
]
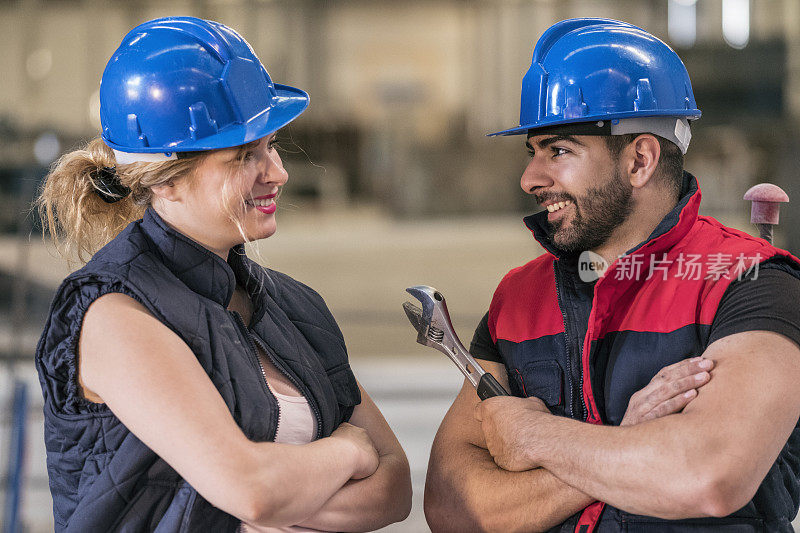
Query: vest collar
[
  {"x": 203, "y": 271},
  {"x": 672, "y": 228}
]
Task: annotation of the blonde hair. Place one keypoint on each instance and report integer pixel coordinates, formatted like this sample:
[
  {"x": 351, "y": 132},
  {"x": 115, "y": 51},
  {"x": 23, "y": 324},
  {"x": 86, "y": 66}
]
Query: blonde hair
[
  {"x": 226, "y": 193},
  {"x": 78, "y": 220}
]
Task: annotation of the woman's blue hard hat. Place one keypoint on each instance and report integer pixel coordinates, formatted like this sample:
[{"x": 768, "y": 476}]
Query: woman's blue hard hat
[
  {"x": 183, "y": 84},
  {"x": 594, "y": 69}
]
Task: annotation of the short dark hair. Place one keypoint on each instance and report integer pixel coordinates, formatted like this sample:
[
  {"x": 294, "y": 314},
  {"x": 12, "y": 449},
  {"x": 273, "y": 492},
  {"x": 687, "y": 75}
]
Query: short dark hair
[{"x": 670, "y": 164}]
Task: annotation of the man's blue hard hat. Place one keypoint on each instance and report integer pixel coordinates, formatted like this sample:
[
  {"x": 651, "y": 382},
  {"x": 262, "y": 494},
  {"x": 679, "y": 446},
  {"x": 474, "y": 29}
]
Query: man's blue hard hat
[
  {"x": 183, "y": 84},
  {"x": 594, "y": 69}
]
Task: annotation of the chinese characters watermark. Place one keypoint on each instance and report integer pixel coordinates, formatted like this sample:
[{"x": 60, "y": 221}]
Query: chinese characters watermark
[{"x": 684, "y": 266}]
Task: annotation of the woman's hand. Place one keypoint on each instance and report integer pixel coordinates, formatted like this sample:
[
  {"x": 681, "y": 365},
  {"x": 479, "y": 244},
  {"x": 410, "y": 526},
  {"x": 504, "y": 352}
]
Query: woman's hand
[
  {"x": 383, "y": 494},
  {"x": 669, "y": 391},
  {"x": 364, "y": 452}
]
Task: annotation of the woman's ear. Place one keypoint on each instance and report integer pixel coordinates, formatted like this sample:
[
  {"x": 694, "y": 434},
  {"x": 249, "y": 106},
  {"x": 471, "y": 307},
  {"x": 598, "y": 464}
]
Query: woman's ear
[
  {"x": 166, "y": 191},
  {"x": 646, "y": 152}
]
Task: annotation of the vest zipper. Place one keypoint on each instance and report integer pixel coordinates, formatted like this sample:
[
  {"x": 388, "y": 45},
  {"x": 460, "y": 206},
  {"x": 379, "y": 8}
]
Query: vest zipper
[
  {"x": 589, "y": 517},
  {"x": 298, "y": 385},
  {"x": 584, "y": 411},
  {"x": 239, "y": 321},
  {"x": 252, "y": 340}
]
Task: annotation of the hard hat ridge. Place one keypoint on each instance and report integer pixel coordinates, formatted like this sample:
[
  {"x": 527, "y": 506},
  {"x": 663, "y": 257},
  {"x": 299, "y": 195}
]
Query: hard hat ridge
[
  {"x": 555, "y": 32},
  {"x": 182, "y": 84}
]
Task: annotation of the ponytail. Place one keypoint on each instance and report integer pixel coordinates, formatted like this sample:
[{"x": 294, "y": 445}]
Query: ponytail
[{"x": 78, "y": 220}]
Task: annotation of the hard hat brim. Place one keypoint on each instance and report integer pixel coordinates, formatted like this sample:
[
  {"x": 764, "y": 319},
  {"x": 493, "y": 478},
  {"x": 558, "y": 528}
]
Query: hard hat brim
[
  {"x": 287, "y": 105},
  {"x": 522, "y": 129}
]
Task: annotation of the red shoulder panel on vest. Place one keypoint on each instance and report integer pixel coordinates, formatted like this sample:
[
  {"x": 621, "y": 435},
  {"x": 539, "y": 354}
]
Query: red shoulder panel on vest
[
  {"x": 686, "y": 284},
  {"x": 525, "y": 304}
]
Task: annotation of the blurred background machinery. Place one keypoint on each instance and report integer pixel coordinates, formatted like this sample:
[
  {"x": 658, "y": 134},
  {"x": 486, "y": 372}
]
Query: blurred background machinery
[{"x": 392, "y": 180}]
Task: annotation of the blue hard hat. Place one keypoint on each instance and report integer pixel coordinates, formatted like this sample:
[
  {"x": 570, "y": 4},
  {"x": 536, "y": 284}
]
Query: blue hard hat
[
  {"x": 182, "y": 84},
  {"x": 596, "y": 70}
]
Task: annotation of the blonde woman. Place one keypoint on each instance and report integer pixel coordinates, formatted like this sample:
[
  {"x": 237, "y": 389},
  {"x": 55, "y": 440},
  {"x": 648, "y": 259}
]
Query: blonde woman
[{"x": 186, "y": 387}]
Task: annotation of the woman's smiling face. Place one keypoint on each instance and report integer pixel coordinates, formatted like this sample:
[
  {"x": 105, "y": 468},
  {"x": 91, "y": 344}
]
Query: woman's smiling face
[{"x": 230, "y": 198}]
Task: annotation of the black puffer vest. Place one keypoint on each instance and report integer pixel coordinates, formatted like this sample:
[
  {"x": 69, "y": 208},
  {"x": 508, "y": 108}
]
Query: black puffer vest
[{"x": 102, "y": 477}]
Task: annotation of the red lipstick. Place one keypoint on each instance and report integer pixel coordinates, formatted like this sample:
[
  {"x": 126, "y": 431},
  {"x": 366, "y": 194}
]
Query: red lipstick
[{"x": 270, "y": 207}]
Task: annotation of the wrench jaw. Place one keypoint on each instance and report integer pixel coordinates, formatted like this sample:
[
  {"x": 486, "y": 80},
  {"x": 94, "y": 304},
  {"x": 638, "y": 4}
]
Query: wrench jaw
[
  {"x": 435, "y": 329},
  {"x": 427, "y": 296},
  {"x": 414, "y": 314},
  {"x": 427, "y": 332}
]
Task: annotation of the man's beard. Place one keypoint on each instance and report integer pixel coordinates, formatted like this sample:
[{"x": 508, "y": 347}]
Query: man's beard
[{"x": 598, "y": 213}]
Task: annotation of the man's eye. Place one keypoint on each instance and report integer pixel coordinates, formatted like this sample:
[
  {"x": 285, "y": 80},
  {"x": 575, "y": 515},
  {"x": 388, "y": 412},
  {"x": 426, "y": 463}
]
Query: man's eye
[
  {"x": 531, "y": 153},
  {"x": 557, "y": 151},
  {"x": 273, "y": 145}
]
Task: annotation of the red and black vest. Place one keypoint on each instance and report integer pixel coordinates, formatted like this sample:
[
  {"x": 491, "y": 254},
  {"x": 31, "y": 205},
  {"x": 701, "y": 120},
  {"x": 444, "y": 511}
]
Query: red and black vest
[{"x": 585, "y": 347}]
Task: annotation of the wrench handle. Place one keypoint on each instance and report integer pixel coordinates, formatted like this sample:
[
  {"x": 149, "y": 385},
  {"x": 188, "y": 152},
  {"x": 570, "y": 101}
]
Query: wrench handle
[{"x": 488, "y": 387}]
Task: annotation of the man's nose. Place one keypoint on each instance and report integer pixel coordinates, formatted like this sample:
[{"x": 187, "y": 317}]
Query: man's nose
[{"x": 534, "y": 177}]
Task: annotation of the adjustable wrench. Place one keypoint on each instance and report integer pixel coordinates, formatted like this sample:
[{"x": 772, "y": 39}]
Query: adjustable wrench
[{"x": 435, "y": 329}]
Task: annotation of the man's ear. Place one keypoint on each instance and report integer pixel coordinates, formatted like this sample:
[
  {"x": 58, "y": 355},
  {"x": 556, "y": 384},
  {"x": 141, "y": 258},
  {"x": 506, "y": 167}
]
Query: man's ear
[{"x": 644, "y": 153}]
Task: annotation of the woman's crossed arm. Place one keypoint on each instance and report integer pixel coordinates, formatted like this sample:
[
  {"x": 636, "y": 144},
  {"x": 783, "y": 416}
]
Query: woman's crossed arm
[{"x": 152, "y": 382}]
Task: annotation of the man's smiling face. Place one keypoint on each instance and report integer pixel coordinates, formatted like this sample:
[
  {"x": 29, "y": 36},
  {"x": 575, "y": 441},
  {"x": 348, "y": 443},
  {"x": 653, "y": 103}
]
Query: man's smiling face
[{"x": 583, "y": 188}]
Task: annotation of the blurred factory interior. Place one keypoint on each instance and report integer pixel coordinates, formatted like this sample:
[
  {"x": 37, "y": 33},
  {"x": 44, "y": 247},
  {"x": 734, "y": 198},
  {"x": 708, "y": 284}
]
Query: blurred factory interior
[{"x": 393, "y": 181}]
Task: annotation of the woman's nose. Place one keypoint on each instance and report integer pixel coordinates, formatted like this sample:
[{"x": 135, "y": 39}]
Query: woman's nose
[{"x": 274, "y": 172}]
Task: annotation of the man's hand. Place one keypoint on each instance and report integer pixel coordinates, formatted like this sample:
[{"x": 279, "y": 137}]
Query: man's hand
[
  {"x": 507, "y": 424},
  {"x": 669, "y": 391},
  {"x": 461, "y": 469}
]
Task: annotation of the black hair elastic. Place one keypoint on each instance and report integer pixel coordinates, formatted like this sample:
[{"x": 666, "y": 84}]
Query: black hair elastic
[{"x": 107, "y": 185}]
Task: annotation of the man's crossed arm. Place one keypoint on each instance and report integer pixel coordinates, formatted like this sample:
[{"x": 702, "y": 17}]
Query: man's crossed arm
[
  {"x": 707, "y": 460},
  {"x": 467, "y": 491}
]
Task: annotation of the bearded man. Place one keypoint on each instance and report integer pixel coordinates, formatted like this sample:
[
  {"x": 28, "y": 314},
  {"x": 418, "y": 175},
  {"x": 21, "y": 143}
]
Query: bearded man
[{"x": 655, "y": 389}]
